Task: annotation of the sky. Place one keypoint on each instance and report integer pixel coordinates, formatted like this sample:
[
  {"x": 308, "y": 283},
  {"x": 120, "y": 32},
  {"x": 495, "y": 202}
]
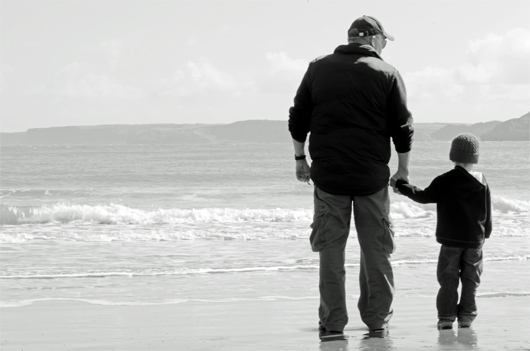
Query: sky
[{"x": 67, "y": 63}]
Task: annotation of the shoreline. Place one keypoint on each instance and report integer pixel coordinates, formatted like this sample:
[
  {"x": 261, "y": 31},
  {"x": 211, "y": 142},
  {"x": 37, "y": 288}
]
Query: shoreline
[{"x": 502, "y": 323}]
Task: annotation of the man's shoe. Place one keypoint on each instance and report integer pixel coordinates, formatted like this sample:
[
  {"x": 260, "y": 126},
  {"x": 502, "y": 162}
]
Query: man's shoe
[
  {"x": 445, "y": 324},
  {"x": 377, "y": 333},
  {"x": 330, "y": 335}
]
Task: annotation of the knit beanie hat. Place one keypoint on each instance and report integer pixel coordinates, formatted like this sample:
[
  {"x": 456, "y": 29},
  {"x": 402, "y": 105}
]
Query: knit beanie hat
[{"x": 464, "y": 149}]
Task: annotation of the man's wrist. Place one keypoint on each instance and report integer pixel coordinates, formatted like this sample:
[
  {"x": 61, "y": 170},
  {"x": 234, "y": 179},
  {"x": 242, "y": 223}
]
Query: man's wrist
[
  {"x": 403, "y": 171},
  {"x": 299, "y": 157}
]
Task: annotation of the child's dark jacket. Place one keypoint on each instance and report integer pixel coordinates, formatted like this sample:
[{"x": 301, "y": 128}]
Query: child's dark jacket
[{"x": 463, "y": 204}]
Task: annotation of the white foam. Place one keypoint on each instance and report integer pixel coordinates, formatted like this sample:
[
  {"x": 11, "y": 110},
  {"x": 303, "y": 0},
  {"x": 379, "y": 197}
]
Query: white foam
[
  {"x": 115, "y": 222},
  {"x": 503, "y": 294},
  {"x": 402, "y": 209},
  {"x": 504, "y": 205},
  {"x": 120, "y": 214},
  {"x": 206, "y": 271},
  {"x": 28, "y": 302},
  {"x": 180, "y": 272}
]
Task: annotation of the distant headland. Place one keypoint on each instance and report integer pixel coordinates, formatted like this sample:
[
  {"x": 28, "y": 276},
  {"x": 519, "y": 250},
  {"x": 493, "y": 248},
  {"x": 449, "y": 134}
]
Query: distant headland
[{"x": 250, "y": 131}]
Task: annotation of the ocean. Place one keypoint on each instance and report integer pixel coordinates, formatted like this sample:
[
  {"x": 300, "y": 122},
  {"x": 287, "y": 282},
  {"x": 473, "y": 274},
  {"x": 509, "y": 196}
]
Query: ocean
[{"x": 167, "y": 224}]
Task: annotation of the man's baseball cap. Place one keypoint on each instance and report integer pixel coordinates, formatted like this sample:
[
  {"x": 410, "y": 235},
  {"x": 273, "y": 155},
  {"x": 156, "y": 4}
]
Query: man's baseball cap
[{"x": 367, "y": 25}]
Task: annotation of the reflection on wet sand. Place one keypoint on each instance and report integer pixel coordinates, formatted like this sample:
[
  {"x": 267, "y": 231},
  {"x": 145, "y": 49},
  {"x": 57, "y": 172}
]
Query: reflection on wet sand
[
  {"x": 457, "y": 339},
  {"x": 466, "y": 337}
]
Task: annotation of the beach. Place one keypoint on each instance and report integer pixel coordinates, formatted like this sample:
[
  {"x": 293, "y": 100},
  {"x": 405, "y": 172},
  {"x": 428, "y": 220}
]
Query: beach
[
  {"x": 503, "y": 324},
  {"x": 260, "y": 308},
  {"x": 205, "y": 247}
]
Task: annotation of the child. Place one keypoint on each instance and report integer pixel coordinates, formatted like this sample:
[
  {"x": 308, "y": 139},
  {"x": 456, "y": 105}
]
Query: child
[{"x": 464, "y": 222}]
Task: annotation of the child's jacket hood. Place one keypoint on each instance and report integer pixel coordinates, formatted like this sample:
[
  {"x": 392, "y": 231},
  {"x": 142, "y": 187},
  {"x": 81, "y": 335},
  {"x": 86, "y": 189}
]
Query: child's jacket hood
[{"x": 469, "y": 183}]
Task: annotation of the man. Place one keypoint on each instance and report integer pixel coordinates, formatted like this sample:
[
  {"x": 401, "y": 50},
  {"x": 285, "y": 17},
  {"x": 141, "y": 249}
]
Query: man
[{"x": 353, "y": 104}]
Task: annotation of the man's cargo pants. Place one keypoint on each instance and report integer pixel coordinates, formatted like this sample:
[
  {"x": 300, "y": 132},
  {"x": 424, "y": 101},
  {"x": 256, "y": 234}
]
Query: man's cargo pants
[{"x": 331, "y": 228}]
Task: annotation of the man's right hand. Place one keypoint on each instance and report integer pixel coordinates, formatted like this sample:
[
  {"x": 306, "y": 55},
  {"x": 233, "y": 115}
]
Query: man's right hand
[
  {"x": 402, "y": 172},
  {"x": 303, "y": 171}
]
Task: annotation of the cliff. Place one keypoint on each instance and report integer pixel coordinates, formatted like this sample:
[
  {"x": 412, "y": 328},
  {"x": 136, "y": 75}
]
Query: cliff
[
  {"x": 449, "y": 132},
  {"x": 516, "y": 129},
  {"x": 252, "y": 131},
  {"x": 245, "y": 131}
]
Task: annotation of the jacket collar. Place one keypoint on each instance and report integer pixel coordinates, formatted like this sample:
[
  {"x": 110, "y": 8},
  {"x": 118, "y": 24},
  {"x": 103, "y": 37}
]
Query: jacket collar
[
  {"x": 357, "y": 49},
  {"x": 473, "y": 183}
]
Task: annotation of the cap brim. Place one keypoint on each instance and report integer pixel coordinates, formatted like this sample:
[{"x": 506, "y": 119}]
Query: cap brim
[{"x": 388, "y": 36}]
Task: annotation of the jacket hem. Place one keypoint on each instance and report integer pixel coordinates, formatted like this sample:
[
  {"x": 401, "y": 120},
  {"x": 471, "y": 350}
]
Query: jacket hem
[
  {"x": 462, "y": 244},
  {"x": 363, "y": 192}
]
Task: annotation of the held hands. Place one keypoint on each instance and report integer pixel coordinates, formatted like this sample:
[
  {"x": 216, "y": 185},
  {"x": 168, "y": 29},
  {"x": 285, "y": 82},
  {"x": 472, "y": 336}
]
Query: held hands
[
  {"x": 303, "y": 171},
  {"x": 395, "y": 177}
]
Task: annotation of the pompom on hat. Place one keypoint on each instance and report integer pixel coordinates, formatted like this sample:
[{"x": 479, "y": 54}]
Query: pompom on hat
[{"x": 464, "y": 149}]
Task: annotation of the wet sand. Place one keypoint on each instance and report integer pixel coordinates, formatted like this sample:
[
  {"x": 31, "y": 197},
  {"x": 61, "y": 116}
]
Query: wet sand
[{"x": 503, "y": 324}]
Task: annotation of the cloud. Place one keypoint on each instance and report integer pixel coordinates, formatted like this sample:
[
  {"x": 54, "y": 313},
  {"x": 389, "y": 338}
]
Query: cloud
[
  {"x": 200, "y": 89},
  {"x": 6, "y": 72},
  {"x": 205, "y": 76},
  {"x": 79, "y": 81},
  {"x": 282, "y": 74},
  {"x": 433, "y": 83},
  {"x": 495, "y": 67},
  {"x": 499, "y": 59},
  {"x": 507, "y": 92},
  {"x": 201, "y": 78},
  {"x": 276, "y": 74},
  {"x": 281, "y": 63},
  {"x": 114, "y": 48}
]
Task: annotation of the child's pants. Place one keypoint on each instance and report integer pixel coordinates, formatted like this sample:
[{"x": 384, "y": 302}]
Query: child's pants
[
  {"x": 455, "y": 264},
  {"x": 331, "y": 228}
]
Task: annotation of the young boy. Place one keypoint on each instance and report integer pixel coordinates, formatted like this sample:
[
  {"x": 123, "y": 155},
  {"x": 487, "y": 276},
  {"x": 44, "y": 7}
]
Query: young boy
[{"x": 464, "y": 222}]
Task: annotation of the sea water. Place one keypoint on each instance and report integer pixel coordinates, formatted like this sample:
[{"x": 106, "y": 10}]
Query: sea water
[{"x": 165, "y": 224}]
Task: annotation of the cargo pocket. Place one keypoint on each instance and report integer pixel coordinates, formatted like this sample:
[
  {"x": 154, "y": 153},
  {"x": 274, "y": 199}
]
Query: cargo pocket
[
  {"x": 317, "y": 237},
  {"x": 389, "y": 244}
]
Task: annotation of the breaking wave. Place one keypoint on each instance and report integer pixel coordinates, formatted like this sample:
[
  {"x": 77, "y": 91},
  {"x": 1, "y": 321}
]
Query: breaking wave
[
  {"x": 119, "y": 214},
  {"x": 110, "y": 214}
]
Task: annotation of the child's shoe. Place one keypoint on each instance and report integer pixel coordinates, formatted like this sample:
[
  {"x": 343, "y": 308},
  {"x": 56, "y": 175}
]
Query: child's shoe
[
  {"x": 445, "y": 324},
  {"x": 464, "y": 324}
]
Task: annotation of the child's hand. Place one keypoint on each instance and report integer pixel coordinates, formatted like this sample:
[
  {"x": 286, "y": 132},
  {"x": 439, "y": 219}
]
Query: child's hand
[{"x": 394, "y": 184}]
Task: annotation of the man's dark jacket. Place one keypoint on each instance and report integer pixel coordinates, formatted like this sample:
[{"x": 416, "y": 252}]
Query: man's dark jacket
[
  {"x": 463, "y": 205},
  {"x": 353, "y": 103}
]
